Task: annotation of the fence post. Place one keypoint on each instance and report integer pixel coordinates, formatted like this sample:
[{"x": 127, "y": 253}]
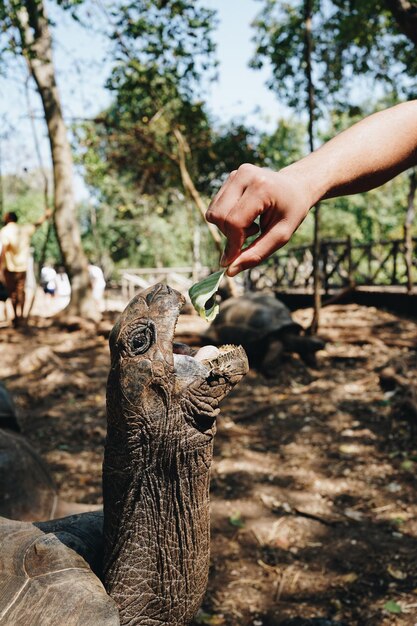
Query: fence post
[
  {"x": 351, "y": 280},
  {"x": 408, "y": 258},
  {"x": 394, "y": 265},
  {"x": 408, "y": 240},
  {"x": 325, "y": 258}
]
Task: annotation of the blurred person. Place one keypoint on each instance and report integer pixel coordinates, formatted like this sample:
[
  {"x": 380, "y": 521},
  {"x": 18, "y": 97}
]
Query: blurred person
[
  {"x": 63, "y": 285},
  {"x": 98, "y": 284},
  {"x": 48, "y": 279},
  {"x": 15, "y": 253},
  {"x": 360, "y": 158}
]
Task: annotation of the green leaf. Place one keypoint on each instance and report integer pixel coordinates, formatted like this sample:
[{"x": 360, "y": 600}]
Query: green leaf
[
  {"x": 392, "y": 607},
  {"x": 407, "y": 465},
  {"x": 236, "y": 520},
  {"x": 202, "y": 295},
  {"x": 209, "y": 620}
]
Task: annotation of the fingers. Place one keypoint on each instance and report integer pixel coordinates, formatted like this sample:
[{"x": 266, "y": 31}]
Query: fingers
[
  {"x": 230, "y": 193},
  {"x": 226, "y": 197},
  {"x": 251, "y": 192},
  {"x": 211, "y": 213},
  {"x": 225, "y": 211},
  {"x": 235, "y": 242},
  {"x": 262, "y": 247},
  {"x": 240, "y": 221}
]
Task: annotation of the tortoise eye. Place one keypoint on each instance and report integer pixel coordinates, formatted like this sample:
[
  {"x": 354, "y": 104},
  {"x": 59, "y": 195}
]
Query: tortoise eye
[{"x": 141, "y": 340}]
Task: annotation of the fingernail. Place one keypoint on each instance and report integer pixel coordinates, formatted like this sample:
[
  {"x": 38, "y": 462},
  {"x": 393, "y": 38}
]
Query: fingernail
[{"x": 223, "y": 260}]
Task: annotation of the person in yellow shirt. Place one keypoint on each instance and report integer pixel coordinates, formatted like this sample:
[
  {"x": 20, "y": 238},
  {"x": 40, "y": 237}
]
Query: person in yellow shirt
[{"x": 14, "y": 257}]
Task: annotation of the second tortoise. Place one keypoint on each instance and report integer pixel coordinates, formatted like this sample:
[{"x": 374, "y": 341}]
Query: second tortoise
[{"x": 264, "y": 327}]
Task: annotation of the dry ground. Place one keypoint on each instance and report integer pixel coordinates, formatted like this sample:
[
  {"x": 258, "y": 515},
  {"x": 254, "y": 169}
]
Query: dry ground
[{"x": 314, "y": 495}]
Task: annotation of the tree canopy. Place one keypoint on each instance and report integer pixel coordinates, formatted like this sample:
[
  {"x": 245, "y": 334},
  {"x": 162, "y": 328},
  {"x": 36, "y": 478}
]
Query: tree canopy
[{"x": 163, "y": 58}]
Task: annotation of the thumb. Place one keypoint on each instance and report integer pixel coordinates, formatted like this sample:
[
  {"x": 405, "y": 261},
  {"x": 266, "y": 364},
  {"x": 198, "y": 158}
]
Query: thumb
[{"x": 261, "y": 248}]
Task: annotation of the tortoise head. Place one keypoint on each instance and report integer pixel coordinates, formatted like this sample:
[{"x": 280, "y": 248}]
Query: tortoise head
[{"x": 153, "y": 389}]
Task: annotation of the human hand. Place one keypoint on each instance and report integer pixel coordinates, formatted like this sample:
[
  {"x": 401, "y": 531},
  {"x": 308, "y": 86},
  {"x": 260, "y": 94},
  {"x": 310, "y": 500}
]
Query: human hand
[{"x": 280, "y": 199}]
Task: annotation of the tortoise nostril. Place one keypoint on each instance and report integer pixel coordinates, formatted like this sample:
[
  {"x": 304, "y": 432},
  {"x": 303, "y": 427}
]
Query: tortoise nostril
[{"x": 183, "y": 348}]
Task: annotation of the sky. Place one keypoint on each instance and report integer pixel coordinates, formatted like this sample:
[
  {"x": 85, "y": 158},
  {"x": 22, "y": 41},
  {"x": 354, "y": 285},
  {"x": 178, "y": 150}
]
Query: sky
[{"x": 82, "y": 67}]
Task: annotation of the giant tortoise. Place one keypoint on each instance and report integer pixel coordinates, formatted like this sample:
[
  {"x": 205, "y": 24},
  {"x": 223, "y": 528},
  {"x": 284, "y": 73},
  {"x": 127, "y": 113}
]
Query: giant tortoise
[
  {"x": 152, "y": 556},
  {"x": 264, "y": 327}
]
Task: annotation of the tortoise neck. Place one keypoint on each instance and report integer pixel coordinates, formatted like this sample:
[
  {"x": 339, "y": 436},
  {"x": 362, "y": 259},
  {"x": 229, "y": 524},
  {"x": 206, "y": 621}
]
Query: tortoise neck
[{"x": 156, "y": 522}]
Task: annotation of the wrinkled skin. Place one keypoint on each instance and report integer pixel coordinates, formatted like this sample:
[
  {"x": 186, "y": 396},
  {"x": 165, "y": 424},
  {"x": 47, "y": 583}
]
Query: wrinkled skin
[{"x": 161, "y": 421}]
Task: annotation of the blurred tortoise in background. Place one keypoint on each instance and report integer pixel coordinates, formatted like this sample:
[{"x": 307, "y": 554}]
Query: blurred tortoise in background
[
  {"x": 27, "y": 489},
  {"x": 7, "y": 411},
  {"x": 264, "y": 327}
]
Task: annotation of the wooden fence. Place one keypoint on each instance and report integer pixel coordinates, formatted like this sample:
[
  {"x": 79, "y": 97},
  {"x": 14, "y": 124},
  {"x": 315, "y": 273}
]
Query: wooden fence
[
  {"x": 342, "y": 264},
  {"x": 181, "y": 278}
]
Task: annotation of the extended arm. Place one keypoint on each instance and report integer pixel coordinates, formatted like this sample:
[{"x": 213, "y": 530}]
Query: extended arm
[
  {"x": 43, "y": 219},
  {"x": 360, "y": 158}
]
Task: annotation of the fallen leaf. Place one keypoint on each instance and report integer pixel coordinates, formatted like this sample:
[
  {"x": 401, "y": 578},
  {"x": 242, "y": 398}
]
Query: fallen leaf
[
  {"x": 358, "y": 516},
  {"x": 236, "y": 520},
  {"x": 396, "y": 573},
  {"x": 349, "y": 578},
  {"x": 348, "y": 448},
  {"x": 392, "y": 607},
  {"x": 393, "y": 487},
  {"x": 205, "y": 619}
]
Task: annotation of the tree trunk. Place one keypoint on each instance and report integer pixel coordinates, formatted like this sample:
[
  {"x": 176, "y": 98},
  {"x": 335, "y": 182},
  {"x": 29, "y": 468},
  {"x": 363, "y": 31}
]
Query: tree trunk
[
  {"x": 308, "y": 47},
  {"x": 405, "y": 14},
  {"x": 32, "y": 22},
  {"x": 408, "y": 239},
  {"x": 194, "y": 194}
]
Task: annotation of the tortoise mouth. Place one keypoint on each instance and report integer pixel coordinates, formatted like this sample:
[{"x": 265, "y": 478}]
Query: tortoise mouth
[
  {"x": 231, "y": 358},
  {"x": 226, "y": 355}
]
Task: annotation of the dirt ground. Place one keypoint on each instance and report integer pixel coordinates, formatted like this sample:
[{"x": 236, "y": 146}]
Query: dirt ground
[{"x": 314, "y": 501}]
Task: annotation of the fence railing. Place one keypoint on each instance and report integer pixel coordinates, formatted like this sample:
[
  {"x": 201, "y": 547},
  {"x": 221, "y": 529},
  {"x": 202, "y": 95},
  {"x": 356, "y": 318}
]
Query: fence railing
[
  {"x": 181, "y": 278},
  {"x": 342, "y": 264}
]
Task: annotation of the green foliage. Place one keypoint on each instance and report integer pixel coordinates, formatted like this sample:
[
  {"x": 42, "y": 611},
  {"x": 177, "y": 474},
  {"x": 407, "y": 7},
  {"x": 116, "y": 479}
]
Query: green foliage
[
  {"x": 351, "y": 39},
  {"x": 286, "y": 144},
  {"x": 131, "y": 166},
  {"x": 130, "y": 153},
  {"x": 225, "y": 149},
  {"x": 355, "y": 42},
  {"x": 138, "y": 215},
  {"x": 167, "y": 38},
  {"x": 371, "y": 216},
  {"x": 125, "y": 229}
]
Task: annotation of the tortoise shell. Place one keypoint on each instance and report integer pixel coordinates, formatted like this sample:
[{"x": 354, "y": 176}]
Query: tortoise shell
[
  {"x": 251, "y": 318},
  {"x": 44, "y": 580}
]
